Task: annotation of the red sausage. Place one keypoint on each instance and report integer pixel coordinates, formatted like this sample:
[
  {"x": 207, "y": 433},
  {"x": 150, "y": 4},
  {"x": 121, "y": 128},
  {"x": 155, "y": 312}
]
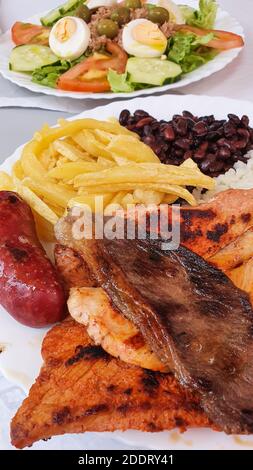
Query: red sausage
[{"x": 30, "y": 288}]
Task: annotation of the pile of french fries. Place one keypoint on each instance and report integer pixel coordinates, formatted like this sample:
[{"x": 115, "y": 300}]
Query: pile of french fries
[{"x": 79, "y": 160}]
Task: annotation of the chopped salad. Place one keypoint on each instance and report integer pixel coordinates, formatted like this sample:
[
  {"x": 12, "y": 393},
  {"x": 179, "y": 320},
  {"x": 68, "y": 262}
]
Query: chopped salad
[{"x": 102, "y": 45}]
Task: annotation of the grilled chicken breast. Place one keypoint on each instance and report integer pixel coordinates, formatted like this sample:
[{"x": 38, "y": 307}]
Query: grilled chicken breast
[{"x": 81, "y": 388}]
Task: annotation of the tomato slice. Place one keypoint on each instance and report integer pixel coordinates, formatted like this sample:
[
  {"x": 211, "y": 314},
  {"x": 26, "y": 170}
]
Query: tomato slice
[
  {"x": 74, "y": 79},
  {"x": 223, "y": 40},
  {"x": 27, "y": 33}
]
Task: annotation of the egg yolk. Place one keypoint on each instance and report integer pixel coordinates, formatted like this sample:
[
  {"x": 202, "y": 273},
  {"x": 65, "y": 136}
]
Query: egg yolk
[
  {"x": 149, "y": 34},
  {"x": 65, "y": 29}
]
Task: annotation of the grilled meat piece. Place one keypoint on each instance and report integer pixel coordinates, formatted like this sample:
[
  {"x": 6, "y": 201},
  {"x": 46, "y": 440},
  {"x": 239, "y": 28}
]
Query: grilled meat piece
[
  {"x": 242, "y": 277},
  {"x": 234, "y": 254},
  {"x": 92, "y": 307},
  {"x": 72, "y": 267},
  {"x": 190, "y": 314},
  {"x": 207, "y": 228},
  {"x": 81, "y": 388},
  {"x": 106, "y": 326}
]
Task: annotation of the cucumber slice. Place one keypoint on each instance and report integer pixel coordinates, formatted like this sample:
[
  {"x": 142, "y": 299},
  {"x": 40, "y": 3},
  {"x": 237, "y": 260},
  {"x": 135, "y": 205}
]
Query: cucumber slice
[
  {"x": 58, "y": 13},
  {"x": 29, "y": 57},
  {"x": 70, "y": 5},
  {"x": 151, "y": 71}
]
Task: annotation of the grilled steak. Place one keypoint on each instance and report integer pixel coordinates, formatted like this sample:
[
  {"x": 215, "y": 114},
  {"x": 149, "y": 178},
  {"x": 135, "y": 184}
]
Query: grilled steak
[{"x": 190, "y": 314}]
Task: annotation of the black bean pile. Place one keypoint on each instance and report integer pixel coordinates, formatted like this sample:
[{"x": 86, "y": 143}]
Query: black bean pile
[{"x": 215, "y": 145}]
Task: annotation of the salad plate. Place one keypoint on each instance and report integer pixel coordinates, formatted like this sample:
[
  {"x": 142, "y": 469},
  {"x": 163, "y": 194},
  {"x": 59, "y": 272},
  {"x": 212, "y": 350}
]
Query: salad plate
[
  {"x": 223, "y": 22},
  {"x": 21, "y": 359}
]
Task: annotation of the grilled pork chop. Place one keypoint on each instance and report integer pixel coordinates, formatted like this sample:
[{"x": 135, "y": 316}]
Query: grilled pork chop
[
  {"x": 191, "y": 315},
  {"x": 81, "y": 388}
]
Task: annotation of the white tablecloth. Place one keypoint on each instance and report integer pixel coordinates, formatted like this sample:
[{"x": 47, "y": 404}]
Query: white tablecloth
[{"x": 235, "y": 81}]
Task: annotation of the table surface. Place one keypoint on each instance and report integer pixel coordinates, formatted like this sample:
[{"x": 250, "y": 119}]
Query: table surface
[{"x": 17, "y": 125}]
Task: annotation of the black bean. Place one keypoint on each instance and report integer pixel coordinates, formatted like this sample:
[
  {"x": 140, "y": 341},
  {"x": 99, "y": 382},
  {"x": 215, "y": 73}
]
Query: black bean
[
  {"x": 124, "y": 116},
  {"x": 180, "y": 126},
  {"x": 200, "y": 128},
  {"x": 169, "y": 133},
  {"x": 214, "y": 144},
  {"x": 139, "y": 114},
  {"x": 184, "y": 144},
  {"x": 224, "y": 153},
  {"x": 235, "y": 119},
  {"x": 245, "y": 121},
  {"x": 243, "y": 133},
  {"x": 229, "y": 129}
]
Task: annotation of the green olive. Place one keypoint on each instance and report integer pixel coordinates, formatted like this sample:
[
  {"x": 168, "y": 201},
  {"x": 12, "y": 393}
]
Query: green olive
[
  {"x": 132, "y": 4},
  {"x": 158, "y": 15},
  {"x": 121, "y": 15},
  {"x": 84, "y": 13},
  {"x": 108, "y": 28}
]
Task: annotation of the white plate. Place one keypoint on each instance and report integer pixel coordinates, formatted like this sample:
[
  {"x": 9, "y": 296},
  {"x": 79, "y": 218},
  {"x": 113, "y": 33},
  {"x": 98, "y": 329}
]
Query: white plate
[
  {"x": 21, "y": 359},
  {"x": 224, "y": 22}
]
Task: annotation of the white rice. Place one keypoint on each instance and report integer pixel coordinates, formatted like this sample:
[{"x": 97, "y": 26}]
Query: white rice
[{"x": 238, "y": 177}]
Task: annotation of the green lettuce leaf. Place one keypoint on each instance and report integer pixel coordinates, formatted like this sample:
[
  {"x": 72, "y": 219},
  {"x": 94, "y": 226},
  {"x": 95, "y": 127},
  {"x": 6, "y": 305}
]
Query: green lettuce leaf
[
  {"x": 49, "y": 74},
  {"x": 183, "y": 43},
  {"x": 196, "y": 59},
  {"x": 189, "y": 51},
  {"x": 205, "y": 16},
  {"x": 119, "y": 82}
]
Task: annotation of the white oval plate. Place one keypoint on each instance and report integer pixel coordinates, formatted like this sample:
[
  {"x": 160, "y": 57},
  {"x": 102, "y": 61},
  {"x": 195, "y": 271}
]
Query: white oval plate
[
  {"x": 21, "y": 360},
  {"x": 224, "y": 22}
]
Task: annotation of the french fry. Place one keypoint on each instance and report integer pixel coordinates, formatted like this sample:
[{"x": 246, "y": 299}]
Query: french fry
[
  {"x": 136, "y": 173},
  {"x": 147, "y": 197},
  {"x": 104, "y": 137},
  {"x": 44, "y": 229},
  {"x": 68, "y": 171},
  {"x": 90, "y": 144},
  {"x": 92, "y": 124},
  {"x": 31, "y": 165},
  {"x": 46, "y": 158},
  {"x": 70, "y": 151},
  {"x": 37, "y": 204},
  {"x": 6, "y": 182},
  {"x": 179, "y": 191},
  {"x": 169, "y": 199},
  {"x": 17, "y": 170},
  {"x": 132, "y": 149},
  {"x": 105, "y": 163},
  {"x": 53, "y": 193},
  {"x": 118, "y": 197},
  {"x": 93, "y": 201}
]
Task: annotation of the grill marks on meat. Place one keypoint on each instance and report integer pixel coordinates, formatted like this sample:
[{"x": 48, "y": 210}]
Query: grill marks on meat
[
  {"x": 81, "y": 388},
  {"x": 107, "y": 327},
  {"x": 208, "y": 228},
  {"x": 190, "y": 314}
]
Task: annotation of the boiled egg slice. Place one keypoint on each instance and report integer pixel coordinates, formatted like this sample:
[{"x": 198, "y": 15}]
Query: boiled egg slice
[
  {"x": 173, "y": 9},
  {"x": 91, "y": 4},
  {"x": 69, "y": 38},
  {"x": 142, "y": 38}
]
